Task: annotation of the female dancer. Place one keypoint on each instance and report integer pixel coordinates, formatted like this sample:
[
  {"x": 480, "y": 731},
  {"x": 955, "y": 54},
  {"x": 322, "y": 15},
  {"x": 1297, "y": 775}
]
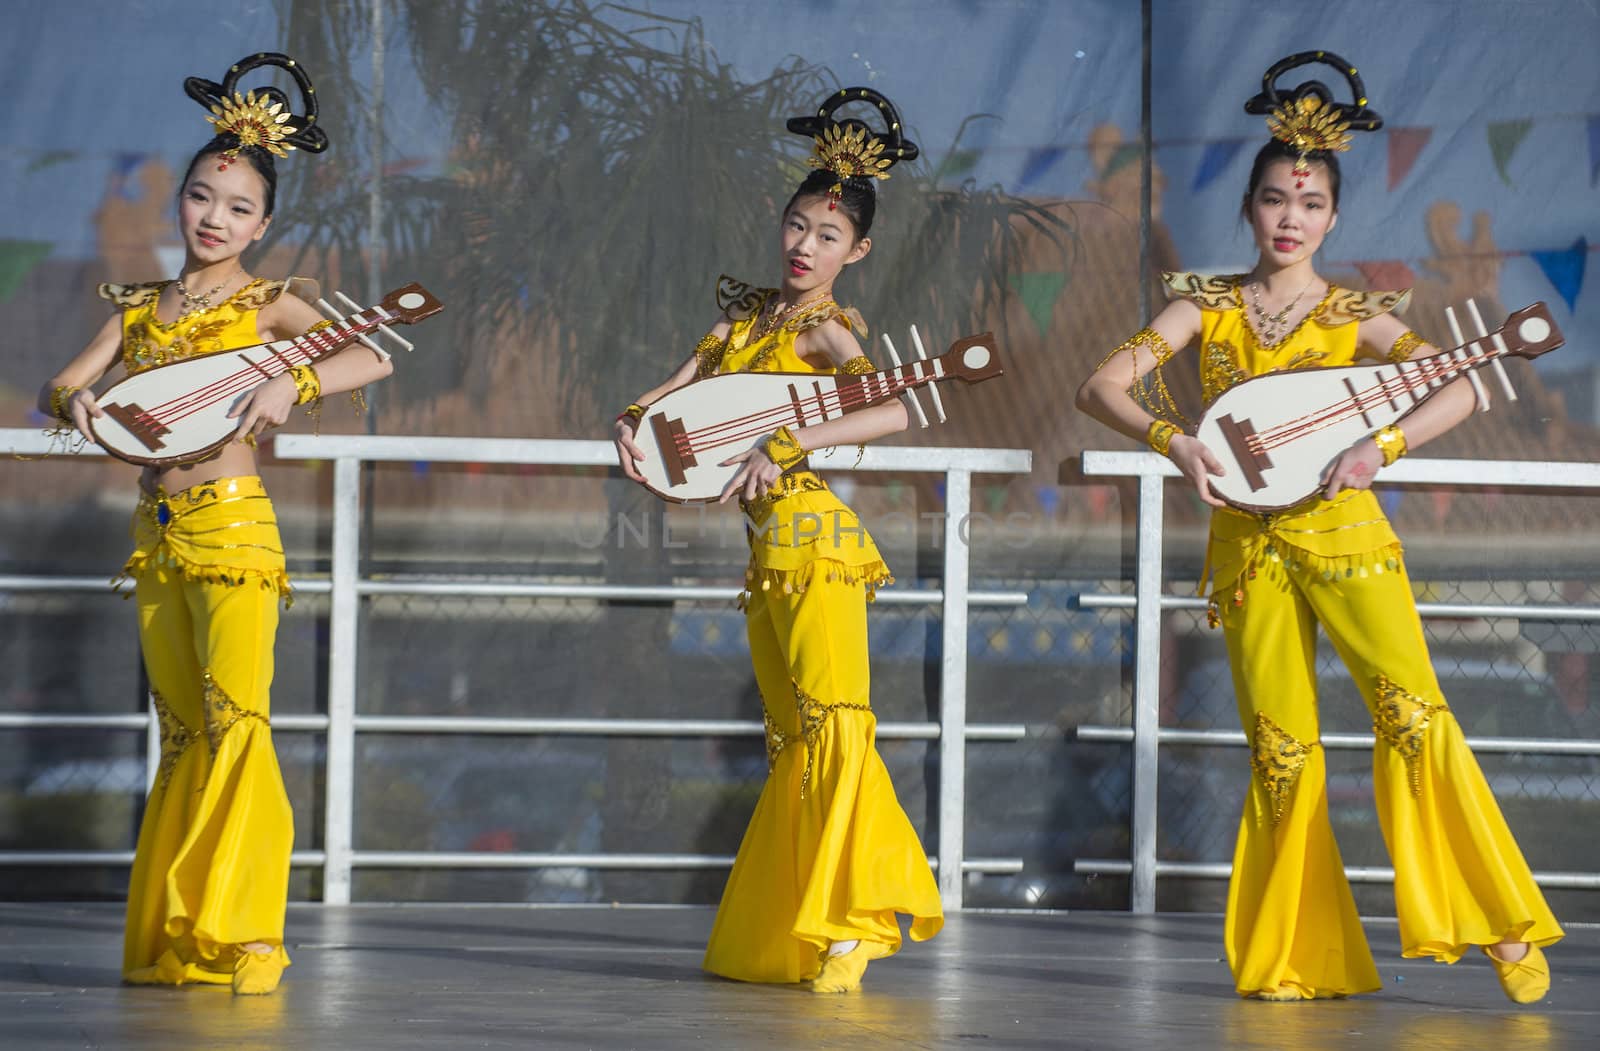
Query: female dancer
[
  {"x": 1292, "y": 930},
  {"x": 829, "y": 857},
  {"x": 210, "y": 876}
]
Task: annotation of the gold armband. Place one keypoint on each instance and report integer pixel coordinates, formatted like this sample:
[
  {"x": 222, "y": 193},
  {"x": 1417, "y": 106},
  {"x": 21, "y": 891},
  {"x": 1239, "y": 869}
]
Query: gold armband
[
  {"x": 306, "y": 384},
  {"x": 782, "y": 448},
  {"x": 1405, "y": 346},
  {"x": 1157, "y": 343},
  {"x": 1392, "y": 443},
  {"x": 634, "y": 412},
  {"x": 324, "y": 323},
  {"x": 60, "y": 402},
  {"x": 860, "y": 365},
  {"x": 1159, "y": 436}
]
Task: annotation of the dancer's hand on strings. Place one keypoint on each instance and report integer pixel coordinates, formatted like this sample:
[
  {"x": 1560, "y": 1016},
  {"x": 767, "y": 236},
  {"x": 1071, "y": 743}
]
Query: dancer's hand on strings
[
  {"x": 628, "y": 454},
  {"x": 264, "y": 406},
  {"x": 1355, "y": 468},
  {"x": 755, "y": 476},
  {"x": 1198, "y": 464},
  {"x": 80, "y": 407}
]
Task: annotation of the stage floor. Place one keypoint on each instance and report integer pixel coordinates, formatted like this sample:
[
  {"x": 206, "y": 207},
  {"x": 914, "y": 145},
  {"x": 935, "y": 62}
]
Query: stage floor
[{"x": 405, "y": 977}]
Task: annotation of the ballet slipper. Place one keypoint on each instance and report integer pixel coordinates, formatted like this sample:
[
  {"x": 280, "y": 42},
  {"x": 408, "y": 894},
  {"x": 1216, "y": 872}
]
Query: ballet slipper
[{"x": 1525, "y": 981}]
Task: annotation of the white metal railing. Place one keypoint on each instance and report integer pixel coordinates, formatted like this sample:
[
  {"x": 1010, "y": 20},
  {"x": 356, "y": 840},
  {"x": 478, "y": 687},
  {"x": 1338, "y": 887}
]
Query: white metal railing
[
  {"x": 347, "y": 588},
  {"x": 1148, "y": 602}
]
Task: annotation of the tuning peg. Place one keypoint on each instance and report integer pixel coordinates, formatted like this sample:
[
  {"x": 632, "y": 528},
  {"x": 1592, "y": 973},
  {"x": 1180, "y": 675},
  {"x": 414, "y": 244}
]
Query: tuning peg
[
  {"x": 1472, "y": 376},
  {"x": 351, "y": 304},
  {"x": 933, "y": 391},
  {"x": 910, "y": 395},
  {"x": 1500, "y": 344}
]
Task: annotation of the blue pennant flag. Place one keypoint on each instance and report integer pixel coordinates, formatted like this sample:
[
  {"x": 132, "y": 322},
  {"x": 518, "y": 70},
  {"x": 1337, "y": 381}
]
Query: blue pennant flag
[
  {"x": 1039, "y": 161},
  {"x": 1564, "y": 268},
  {"x": 1218, "y": 156}
]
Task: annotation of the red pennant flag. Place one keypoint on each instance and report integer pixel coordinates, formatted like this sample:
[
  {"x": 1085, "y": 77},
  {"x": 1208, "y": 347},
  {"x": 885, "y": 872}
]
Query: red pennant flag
[
  {"x": 1387, "y": 275},
  {"x": 1404, "y": 146}
]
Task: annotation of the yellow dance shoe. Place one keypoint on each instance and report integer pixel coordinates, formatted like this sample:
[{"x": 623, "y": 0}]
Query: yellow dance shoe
[
  {"x": 1527, "y": 980},
  {"x": 842, "y": 973},
  {"x": 257, "y": 971}
]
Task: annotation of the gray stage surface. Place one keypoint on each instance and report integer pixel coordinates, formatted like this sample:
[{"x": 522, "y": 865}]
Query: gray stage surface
[{"x": 407, "y": 977}]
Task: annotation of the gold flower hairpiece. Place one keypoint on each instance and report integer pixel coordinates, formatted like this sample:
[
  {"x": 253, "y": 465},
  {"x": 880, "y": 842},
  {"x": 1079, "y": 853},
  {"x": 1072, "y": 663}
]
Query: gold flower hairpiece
[
  {"x": 849, "y": 153},
  {"x": 254, "y": 122},
  {"x": 1307, "y": 125}
]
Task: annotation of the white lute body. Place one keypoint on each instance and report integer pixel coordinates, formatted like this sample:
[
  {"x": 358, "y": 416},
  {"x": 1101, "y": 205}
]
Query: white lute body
[
  {"x": 1277, "y": 433},
  {"x": 178, "y": 412},
  {"x": 687, "y": 434}
]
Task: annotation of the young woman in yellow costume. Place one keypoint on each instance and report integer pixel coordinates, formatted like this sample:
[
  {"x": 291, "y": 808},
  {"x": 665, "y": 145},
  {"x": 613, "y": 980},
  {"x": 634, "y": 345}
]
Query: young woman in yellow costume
[
  {"x": 210, "y": 876},
  {"x": 1292, "y": 930},
  {"x": 829, "y": 857}
]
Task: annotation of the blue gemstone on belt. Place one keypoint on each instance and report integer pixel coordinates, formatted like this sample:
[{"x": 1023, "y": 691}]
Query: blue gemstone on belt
[{"x": 163, "y": 513}]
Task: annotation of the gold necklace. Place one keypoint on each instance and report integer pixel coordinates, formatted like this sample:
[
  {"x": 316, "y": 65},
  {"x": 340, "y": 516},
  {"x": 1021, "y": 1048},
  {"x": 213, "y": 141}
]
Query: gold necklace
[
  {"x": 1271, "y": 324},
  {"x": 194, "y": 304},
  {"x": 769, "y": 321}
]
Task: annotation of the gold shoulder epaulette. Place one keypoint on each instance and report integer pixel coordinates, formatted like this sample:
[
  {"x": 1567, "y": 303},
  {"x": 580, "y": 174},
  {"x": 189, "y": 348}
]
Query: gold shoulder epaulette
[
  {"x": 1209, "y": 292},
  {"x": 258, "y": 294},
  {"x": 739, "y": 300},
  {"x": 136, "y": 295},
  {"x": 1345, "y": 305}
]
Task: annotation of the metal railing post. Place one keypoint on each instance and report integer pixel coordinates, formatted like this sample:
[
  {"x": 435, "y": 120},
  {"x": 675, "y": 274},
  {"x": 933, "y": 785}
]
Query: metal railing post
[
  {"x": 1146, "y": 692},
  {"x": 343, "y": 658},
  {"x": 953, "y": 689}
]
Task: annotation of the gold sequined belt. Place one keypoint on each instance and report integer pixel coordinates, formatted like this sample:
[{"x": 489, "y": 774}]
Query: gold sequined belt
[{"x": 799, "y": 479}]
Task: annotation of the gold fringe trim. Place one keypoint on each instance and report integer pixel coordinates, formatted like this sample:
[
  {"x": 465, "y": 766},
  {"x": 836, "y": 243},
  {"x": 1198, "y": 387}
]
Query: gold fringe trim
[
  {"x": 871, "y": 575},
  {"x": 1308, "y": 566},
  {"x": 233, "y": 576}
]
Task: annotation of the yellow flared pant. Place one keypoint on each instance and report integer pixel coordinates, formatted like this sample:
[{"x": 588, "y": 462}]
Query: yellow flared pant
[
  {"x": 829, "y": 854},
  {"x": 212, "y": 866},
  {"x": 1460, "y": 879}
]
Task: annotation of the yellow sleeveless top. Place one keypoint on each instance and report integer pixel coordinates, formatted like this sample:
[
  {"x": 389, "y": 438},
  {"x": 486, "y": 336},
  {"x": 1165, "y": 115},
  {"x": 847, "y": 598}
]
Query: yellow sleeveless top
[
  {"x": 1344, "y": 537},
  {"x": 800, "y": 523},
  {"x": 148, "y": 342}
]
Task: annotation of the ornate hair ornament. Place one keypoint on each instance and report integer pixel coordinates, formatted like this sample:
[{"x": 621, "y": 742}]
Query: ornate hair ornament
[
  {"x": 260, "y": 117},
  {"x": 1308, "y": 119},
  {"x": 849, "y": 148}
]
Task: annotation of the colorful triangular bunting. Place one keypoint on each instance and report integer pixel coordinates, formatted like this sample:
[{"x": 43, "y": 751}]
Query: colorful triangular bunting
[
  {"x": 1387, "y": 275},
  {"x": 957, "y": 162},
  {"x": 1217, "y": 156},
  {"x": 1504, "y": 138},
  {"x": 17, "y": 260},
  {"x": 1039, "y": 293},
  {"x": 1039, "y": 161},
  {"x": 1404, "y": 146},
  {"x": 1564, "y": 268}
]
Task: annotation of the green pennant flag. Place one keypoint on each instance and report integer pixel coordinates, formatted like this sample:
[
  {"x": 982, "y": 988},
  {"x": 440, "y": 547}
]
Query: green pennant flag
[
  {"x": 17, "y": 260},
  {"x": 958, "y": 162},
  {"x": 1504, "y": 138},
  {"x": 1039, "y": 293},
  {"x": 49, "y": 159}
]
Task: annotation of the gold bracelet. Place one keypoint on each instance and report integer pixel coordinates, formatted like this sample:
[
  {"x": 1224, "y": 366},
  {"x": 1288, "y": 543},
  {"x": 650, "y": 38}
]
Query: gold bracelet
[
  {"x": 308, "y": 387},
  {"x": 1159, "y": 436},
  {"x": 1392, "y": 442},
  {"x": 60, "y": 402},
  {"x": 634, "y": 412},
  {"x": 782, "y": 448}
]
